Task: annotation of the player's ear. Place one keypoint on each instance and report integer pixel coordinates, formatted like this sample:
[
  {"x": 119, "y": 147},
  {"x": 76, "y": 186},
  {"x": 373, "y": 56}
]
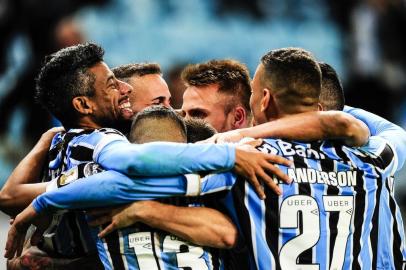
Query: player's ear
[
  {"x": 266, "y": 99},
  {"x": 82, "y": 105},
  {"x": 320, "y": 107},
  {"x": 240, "y": 117}
]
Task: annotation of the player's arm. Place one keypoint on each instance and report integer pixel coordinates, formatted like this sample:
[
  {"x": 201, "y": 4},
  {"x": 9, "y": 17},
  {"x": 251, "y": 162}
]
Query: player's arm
[
  {"x": 200, "y": 225},
  {"x": 156, "y": 159},
  {"x": 21, "y": 186},
  {"x": 381, "y": 127},
  {"x": 307, "y": 126}
]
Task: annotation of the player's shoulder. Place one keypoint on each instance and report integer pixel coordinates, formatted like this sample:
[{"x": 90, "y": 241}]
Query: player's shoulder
[{"x": 95, "y": 136}]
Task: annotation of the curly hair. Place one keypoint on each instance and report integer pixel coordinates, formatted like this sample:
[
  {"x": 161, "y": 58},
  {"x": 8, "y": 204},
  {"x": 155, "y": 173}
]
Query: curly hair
[
  {"x": 232, "y": 77},
  {"x": 63, "y": 76},
  {"x": 294, "y": 75},
  {"x": 124, "y": 72}
]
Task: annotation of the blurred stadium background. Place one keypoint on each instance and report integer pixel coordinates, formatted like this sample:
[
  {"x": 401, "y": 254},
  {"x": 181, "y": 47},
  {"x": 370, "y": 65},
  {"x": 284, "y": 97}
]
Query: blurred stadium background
[{"x": 363, "y": 39}]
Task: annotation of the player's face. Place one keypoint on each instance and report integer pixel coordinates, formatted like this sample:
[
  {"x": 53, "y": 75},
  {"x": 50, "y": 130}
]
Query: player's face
[
  {"x": 150, "y": 89},
  {"x": 256, "y": 97},
  {"x": 206, "y": 103},
  {"x": 111, "y": 100}
]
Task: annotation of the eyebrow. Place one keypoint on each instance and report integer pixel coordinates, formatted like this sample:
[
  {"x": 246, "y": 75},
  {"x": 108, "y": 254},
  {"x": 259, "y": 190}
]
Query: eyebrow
[
  {"x": 160, "y": 97},
  {"x": 110, "y": 77}
]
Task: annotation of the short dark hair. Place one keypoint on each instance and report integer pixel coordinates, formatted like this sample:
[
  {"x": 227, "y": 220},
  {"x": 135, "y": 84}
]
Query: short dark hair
[
  {"x": 198, "y": 130},
  {"x": 293, "y": 75},
  {"x": 63, "y": 76},
  {"x": 332, "y": 93},
  {"x": 232, "y": 77},
  {"x": 125, "y": 72},
  {"x": 156, "y": 112}
]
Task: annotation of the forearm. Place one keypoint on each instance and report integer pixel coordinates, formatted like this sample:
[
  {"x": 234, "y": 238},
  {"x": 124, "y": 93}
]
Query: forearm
[
  {"x": 14, "y": 203},
  {"x": 158, "y": 159},
  {"x": 19, "y": 189},
  {"x": 199, "y": 225},
  {"x": 312, "y": 126}
]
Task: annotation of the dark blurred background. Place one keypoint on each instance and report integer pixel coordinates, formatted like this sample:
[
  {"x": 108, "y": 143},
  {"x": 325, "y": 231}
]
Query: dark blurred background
[{"x": 363, "y": 39}]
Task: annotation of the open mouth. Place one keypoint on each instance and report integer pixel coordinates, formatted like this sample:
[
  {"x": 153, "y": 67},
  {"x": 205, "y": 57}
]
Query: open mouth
[{"x": 125, "y": 108}]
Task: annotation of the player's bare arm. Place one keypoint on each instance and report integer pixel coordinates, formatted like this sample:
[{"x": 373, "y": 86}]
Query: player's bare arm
[
  {"x": 308, "y": 126},
  {"x": 22, "y": 186},
  {"x": 199, "y": 225}
]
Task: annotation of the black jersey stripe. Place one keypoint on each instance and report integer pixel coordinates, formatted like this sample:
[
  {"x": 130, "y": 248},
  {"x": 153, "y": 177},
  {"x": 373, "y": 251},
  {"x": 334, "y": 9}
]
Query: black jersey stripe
[
  {"x": 306, "y": 257},
  {"x": 272, "y": 224},
  {"x": 375, "y": 222},
  {"x": 113, "y": 246},
  {"x": 397, "y": 240},
  {"x": 243, "y": 215},
  {"x": 80, "y": 152}
]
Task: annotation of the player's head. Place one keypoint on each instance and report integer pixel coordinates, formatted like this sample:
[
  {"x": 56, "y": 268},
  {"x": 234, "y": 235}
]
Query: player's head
[
  {"x": 218, "y": 91},
  {"x": 198, "y": 130},
  {"x": 287, "y": 81},
  {"x": 149, "y": 88},
  {"x": 157, "y": 123},
  {"x": 78, "y": 88},
  {"x": 332, "y": 93}
]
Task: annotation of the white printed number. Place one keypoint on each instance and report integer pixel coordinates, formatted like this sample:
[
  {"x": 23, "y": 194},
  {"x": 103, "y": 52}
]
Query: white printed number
[
  {"x": 289, "y": 219},
  {"x": 141, "y": 242}
]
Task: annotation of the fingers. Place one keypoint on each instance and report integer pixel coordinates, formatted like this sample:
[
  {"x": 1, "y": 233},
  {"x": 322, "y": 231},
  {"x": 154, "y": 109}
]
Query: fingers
[
  {"x": 257, "y": 186},
  {"x": 107, "y": 230},
  {"x": 270, "y": 183},
  {"x": 14, "y": 244},
  {"x": 272, "y": 169},
  {"x": 279, "y": 160}
]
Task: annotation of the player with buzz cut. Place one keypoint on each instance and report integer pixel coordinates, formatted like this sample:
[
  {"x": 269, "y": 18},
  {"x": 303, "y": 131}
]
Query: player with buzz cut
[
  {"x": 77, "y": 87},
  {"x": 390, "y": 251},
  {"x": 305, "y": 155}
]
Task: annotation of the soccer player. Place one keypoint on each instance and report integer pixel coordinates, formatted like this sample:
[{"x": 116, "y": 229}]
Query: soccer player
[
  {"x": 149, "y": 88},
  {"x": 329, "y": 217},
  {"x": 80, "y": 90},
  {"x": 218, "y": 91}
]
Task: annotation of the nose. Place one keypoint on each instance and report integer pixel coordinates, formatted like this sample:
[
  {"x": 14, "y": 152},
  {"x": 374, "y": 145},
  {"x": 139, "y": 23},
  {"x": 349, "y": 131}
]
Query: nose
[{"x": 125, "y": 88}]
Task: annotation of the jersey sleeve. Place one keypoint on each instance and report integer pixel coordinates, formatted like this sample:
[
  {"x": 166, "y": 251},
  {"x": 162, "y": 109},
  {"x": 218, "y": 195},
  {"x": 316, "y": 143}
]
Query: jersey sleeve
[
  {"x": 383, "y": 155},
  {"x": 378, "y": 126},
  {"x": 109, "y": 188},
  {"x": 163, "y": 158}
]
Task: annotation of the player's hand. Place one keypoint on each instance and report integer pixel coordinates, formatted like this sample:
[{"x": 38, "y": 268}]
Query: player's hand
[
  {"x": 18, "y": 231},
  {"x": 255, "y": 166},
  {"x": 232, "y": 136},
  {"x": 117, "y": 217}
]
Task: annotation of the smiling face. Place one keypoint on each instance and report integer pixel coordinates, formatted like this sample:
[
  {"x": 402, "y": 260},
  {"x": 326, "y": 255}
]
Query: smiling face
[
  {"x": 110, "y": 102},
  {"x": 205, "y": 102},
  {"x": 149, "y": 89}
]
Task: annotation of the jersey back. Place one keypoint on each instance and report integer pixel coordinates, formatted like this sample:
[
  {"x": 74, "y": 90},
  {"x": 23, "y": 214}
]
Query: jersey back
[{"x": 330, "y": 216}]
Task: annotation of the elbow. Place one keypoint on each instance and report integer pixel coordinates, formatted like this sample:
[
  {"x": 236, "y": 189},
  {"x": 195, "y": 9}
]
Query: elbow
[
  {"x": 353, "y": 131},
  {"x": 229, "y": 240},
  {"x": 6, "y": 203}
]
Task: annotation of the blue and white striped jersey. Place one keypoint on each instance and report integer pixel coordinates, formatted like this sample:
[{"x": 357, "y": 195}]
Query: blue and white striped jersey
[
  {"x": 68, "y": 235},
  {"x": 138, "y": 246},
  {"x": 331, "y": 216}
]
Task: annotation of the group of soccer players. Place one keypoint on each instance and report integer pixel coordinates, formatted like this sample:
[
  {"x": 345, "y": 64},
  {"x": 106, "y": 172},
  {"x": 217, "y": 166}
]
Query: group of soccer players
[{"x": 317, "y": 192}]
